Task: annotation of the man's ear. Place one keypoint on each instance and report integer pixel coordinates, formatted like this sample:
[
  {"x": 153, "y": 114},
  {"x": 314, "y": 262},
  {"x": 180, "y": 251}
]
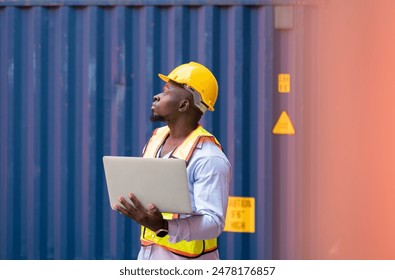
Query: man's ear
[{"x": 184, "y": 105}]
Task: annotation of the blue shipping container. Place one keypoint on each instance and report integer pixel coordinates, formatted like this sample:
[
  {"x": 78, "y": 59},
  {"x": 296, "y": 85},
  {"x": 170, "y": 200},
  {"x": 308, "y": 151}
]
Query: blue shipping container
[{"x": 76, "y": 83}]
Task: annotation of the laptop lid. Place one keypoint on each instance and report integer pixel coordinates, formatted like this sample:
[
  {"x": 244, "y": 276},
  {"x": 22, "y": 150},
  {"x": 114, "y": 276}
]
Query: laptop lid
[{"x": 158, "y": 180}]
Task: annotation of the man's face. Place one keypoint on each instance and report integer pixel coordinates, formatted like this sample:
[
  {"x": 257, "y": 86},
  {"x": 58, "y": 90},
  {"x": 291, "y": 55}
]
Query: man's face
[{"x": 166, "y": 104}]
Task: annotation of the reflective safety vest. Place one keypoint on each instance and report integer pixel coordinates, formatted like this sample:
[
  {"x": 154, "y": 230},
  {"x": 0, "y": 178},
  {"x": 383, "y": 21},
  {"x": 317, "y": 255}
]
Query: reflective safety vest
[{"x": 188, "y": 249}]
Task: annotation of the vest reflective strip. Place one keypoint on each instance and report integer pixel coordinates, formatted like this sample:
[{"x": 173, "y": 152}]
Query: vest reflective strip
[
  {"x": 156, "y": 141},
  {"x": 189, "y": 249},
  {"x": 186, "y": 149}
]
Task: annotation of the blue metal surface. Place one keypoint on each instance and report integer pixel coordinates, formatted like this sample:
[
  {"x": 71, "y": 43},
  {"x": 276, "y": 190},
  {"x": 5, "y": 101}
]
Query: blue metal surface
[
  {"x": 76, "y": 83},
  {"x": 112, "y": 3}
]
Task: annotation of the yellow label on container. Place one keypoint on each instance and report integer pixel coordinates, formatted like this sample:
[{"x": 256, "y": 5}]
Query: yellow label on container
[
  {"x": 240, "y": 216},
  {"x": 284, "y": 83},
  {"x": 284, "y": 125}
]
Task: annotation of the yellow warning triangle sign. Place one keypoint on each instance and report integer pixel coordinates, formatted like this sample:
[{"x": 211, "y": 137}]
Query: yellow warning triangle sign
[{"x": 284, "y": 125}]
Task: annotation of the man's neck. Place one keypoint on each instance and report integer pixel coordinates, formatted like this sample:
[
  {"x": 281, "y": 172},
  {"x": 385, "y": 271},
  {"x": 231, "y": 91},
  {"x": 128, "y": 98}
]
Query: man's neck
[{"x": 180, "y": 132}]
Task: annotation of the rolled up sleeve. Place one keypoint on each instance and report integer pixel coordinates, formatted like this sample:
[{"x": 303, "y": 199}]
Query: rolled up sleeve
[{"x": 209, "y": 181}]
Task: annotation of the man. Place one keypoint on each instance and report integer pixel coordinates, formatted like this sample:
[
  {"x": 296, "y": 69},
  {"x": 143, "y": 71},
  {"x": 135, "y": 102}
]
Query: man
[{"x": 189, "y": 91}]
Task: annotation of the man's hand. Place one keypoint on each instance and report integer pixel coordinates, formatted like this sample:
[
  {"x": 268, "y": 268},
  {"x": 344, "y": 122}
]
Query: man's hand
[{"x": 150, "y": 218}]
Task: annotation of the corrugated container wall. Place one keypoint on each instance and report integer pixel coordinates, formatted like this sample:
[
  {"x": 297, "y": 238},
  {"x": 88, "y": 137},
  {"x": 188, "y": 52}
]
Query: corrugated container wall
[{"x": 76, "y": 83}]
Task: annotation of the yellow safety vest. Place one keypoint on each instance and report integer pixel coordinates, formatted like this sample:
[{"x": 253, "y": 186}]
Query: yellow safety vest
[{"x": 188, "y": 249}]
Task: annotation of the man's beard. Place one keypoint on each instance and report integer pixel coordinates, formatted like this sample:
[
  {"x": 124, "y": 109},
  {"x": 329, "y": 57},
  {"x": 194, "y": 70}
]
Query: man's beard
[{"x": 157, "y": 118}]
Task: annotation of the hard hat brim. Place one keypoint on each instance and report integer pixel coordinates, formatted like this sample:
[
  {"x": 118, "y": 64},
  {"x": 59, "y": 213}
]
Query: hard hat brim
[{"x": 164, "y": 77}]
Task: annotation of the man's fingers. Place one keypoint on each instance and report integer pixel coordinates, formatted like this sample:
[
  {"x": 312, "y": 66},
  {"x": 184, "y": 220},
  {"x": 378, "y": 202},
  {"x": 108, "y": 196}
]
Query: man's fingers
[
  {"x": 137, "y": 204},
  {"x": 150, "y": 217},
  {"x": 120, "y": 209},
  {"x": 153, "y": 209},
  {"x": 129, "y": 207}
]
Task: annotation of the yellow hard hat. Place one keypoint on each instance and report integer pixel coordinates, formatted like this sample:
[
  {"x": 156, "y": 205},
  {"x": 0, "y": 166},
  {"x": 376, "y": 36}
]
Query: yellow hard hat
[{"x": 198, "y": 80}]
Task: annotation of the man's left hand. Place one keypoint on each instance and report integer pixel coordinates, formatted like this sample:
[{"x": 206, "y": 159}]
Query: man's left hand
[{"x": 150, "y": 217}]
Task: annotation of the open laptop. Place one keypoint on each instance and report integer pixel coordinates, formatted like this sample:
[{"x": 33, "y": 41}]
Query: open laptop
[{"x": 160, "y": 181}]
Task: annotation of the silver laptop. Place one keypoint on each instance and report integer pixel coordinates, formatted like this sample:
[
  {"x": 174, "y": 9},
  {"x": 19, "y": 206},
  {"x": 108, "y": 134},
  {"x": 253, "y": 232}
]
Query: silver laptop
[{"x": 160, "y": 181}]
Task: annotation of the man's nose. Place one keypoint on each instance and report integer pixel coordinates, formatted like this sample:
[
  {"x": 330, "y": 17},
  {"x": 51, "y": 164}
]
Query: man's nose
[{"x": 157, "y": 97}]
